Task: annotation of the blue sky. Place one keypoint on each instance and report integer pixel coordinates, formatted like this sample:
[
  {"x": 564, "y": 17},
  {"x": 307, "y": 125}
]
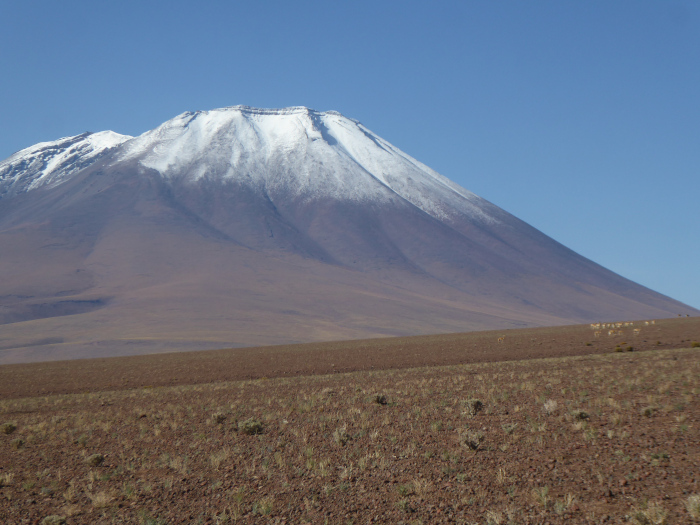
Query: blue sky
[{"x": 581, "y": 118}]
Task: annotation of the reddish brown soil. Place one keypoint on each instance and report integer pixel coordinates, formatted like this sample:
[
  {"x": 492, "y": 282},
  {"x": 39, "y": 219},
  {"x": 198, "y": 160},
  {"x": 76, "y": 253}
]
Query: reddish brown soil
[
  {"x": 95, "y": 375},
  {"x": 328, "y": 452}
]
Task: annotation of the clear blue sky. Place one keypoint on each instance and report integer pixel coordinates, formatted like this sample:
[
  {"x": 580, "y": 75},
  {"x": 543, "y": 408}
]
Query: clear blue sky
[{"x": 581, "y": 118}]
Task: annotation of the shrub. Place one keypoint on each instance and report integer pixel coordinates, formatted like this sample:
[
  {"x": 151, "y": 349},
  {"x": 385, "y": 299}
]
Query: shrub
[
  {"x": 508, "y": 428},
  {"x": 694, "y": 344},
  {"x": 17, "y": 443},
  {"x": 380, "y": 399},
  {"x": 473, "y": 406},
  {"x": 437, "y": 426},
  {"x": 693, "y": 506},
  {"x": 652, "y": 514},
  {"x": 540, "y": 495},
  {"x": 100, "y": 500},
  {"x": 265, "y": 506},
  {"x": 470, "y": 438},
  {"x": 404, "y": 490},
  {"x": 95, "y": 460},
  {"x": 8, "y": 428},
  {"x": 250, "y": 426},
  {"x": 218, "y": 418},
  {"x": 648, "y": 411},
  {"x": 550, "y": 406},
  {"x": 404, "y": 505},
  {"x": 53, "y": 520},
  {"x": 6, "y": 479},
  {"x": 341, "y": 436},
  {"x": 579, "y": 415}
]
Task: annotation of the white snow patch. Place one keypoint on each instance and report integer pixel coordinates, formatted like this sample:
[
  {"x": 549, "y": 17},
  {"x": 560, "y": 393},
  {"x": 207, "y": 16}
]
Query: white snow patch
[
  {"x": 299, "y": 152},
  {"x": 50, "y": 163},
  {"x": 287, "y": 153}
]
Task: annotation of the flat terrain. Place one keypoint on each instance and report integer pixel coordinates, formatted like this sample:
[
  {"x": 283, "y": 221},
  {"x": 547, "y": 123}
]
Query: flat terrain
[
  {"x": 539, "y": 428},
  {"x": 187, "y": 368}
]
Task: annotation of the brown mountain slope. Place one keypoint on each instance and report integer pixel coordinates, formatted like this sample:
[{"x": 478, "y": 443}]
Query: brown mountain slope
[{"x": 309, "y": 238}]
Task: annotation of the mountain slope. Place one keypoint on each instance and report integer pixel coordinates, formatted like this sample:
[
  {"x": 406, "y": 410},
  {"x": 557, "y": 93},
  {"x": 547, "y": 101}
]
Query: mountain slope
[{"x": 243, "y": 226}]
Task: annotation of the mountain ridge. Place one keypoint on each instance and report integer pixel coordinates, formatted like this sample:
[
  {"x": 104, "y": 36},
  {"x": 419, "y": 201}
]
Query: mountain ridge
[{"x": 240, "y": 226}]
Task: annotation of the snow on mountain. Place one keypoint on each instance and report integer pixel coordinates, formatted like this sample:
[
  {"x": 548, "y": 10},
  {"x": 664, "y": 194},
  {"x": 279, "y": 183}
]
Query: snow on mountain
[
  {"x": 242, "y": 226},
  {"x": 286, "y": 153},
  {"x": 50, "y": 163},
  {"x": 297, "y": 152}
]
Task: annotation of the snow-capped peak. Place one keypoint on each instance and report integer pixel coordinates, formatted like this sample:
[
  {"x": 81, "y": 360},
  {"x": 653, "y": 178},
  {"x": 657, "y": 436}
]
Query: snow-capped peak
[
  {"x": 50, "y": 163},
  {"x": 298, "y": 152},
  {"x": 288, "y": 153}
]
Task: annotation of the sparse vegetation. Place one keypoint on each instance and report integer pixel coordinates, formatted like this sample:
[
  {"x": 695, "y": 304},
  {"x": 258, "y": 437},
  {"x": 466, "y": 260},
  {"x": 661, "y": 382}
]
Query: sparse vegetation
[
  {"x": 8, "y": 428},
  {"x": 380, "y": 399},
  {"x": 341, "y": 436},
  {"x": 490, "y": 443},
  {"x": 54, "y": 519},
  {"x": 579, "y": 415},
  {"x": 692, "y": 505},
  {"x": 250, "y": 426},
  {"x": 95, "y": 460},
  {"x": 473, "y": 407},
  {"x": 470, "y": 438},
  {"x": 648, "y": 514}
]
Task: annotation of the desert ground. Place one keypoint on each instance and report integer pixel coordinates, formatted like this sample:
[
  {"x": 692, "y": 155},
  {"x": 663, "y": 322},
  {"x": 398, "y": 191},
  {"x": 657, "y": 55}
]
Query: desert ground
[{"x": 549, "y": 425}]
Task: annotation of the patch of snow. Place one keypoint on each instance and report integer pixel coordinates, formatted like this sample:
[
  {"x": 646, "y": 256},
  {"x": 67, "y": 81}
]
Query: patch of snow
[
  {"x": 293, "y": 152},
  {"x": 299, "y": 152},
  {"x": 50, "y": 163}
]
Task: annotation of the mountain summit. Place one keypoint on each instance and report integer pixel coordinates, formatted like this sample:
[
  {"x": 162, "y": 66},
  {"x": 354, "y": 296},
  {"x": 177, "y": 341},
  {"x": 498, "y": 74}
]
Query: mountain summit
[{"x": 243, "y": 226}]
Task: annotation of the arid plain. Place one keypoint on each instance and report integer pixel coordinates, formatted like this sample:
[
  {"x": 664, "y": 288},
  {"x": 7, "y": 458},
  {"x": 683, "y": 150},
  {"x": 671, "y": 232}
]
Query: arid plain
[{"x": 549, "y": 425}]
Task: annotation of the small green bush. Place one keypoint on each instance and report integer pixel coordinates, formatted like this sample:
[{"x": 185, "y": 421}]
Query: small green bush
[{"x": 694, "y": 344}]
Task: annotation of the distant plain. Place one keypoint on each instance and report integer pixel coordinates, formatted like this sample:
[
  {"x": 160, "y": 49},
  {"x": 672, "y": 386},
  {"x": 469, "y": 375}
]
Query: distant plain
[{"x": 551, "y": 425}]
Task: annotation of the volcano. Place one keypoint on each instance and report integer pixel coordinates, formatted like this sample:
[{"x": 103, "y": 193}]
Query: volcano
[{"x": 241, "y": 226}]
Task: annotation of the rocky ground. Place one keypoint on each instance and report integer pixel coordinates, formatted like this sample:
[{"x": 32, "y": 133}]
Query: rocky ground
[{"x": 608, "y": 437}]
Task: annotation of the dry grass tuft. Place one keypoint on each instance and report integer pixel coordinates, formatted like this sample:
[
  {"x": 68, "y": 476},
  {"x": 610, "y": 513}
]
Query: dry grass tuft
[
  {"x": 100, "y": 500},
  {"x": 218, "y": 418},
  {"x": 692, "y": 505},
  {"x": 250, "y": 426},
  {"x": 95, "y": 460},
  {"x": 54, "y": 519},
  {"x": 580, "y": 415},
  {"x": 540, "y": 495},
  {"x": 473, "y": 407},
  {"x": 470, "y": 438},
  {"x": 8, "y": 428},
  {"x": 6, "y": 479},
  {"x": 380, "y": 399},
  {"x": 341, "y": 436},
  {"x": 648, "y": 514},
  {"x": 550, "y": 406}
]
